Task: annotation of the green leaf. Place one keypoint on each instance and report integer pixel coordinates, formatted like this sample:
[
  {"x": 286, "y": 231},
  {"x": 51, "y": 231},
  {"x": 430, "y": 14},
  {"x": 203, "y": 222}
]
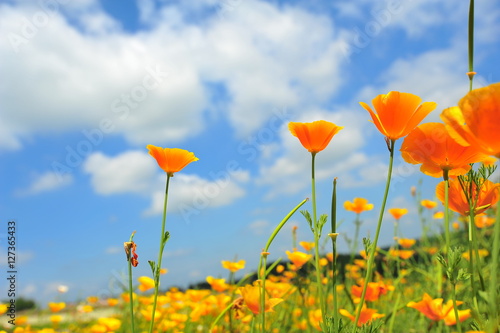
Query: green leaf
[
  {"x": 308, "y": 218},
  {"x": 166, "y": 237},
  {"x": 153, "y": 266}
]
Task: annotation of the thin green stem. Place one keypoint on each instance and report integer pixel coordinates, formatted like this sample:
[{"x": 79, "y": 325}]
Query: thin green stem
[
  {"x": 393, "y": 314},
  {"x": 316, "y": 243},
  {"x": 471, "y": 42},
  {"x": 371, "y": 257},
  {"x": 455, "y": 309},
  {"x": 263, "y": 261},
  {"x": 493, "y": 288},
  {"x": 446, "y": 212},
  {"x": 334, "y": 252},
  {"x": 163, "y": 240}
]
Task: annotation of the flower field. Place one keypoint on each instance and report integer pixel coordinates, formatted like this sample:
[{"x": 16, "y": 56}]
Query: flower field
[
  {"x": 446, "y": 281},
  {"x": 441, "y": 283}
]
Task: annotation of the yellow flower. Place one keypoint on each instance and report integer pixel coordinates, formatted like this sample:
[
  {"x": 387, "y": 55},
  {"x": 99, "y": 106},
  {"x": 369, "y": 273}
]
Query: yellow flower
[
  {"x": 429, "y": 204},
  {"x": 481, "y": 252},
  {"x": 219, "y": 285},
  {"x": 55, "y": 319},
  {"x": 358, "y": 205},
  {"x": 171, "y": 160},
  {"x": 251, "y": 296},
  {"x": 145, "y": 283},
  {"x": 406, "y": 243},
  {"x": 56, "y": 307},
  {"x": 298, "y": 258},
  {"x": 233, "y": 266},
  {"x": 314, "y": 136},
  {"x": 308, "y": 246},
  {"x": 92, "y": 299},
  {"x": 397, "y": 213}
]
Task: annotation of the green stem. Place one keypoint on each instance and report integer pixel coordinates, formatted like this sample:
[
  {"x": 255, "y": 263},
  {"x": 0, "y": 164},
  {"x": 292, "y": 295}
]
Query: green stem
[
  {"x": 262, "y": 274},
  {"x": 334, "y": 252},
  {"x": 493, "y": 290},
  {"x": 130, "y": 290},
  {"x": 394, "y": 310},
  {"x": 263, "y": 261},
  {"x": 455, "y": 309},
  {"x": 160, "y": 255},
  {"x": 316, "y": 244},
  {"x": 446, "y": 211},
  {"x": 471, "y": 42},
  {"x": 373, "y": 248}
]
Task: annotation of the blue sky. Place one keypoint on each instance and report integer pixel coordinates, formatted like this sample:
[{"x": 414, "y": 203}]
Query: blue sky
[{"x": 88, "y": 84}]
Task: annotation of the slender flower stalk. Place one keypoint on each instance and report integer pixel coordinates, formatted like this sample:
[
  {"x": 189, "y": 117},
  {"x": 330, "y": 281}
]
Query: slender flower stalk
[
  {"x": 263, "y": 263},
  {"x": 371, "y": 256},
  {"x": 471, "y": 44},
  {"x": 317, "y": 233},
  {"x": 170, "y": 160},
  {"x": 493, "y": 288},
  {"x": 156, "y": 268},
  {"x": 333, "y": 236}
]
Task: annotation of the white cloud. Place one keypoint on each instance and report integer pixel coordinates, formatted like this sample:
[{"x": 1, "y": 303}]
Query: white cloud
[
  {"x": 129, "y": 172},
  {"x": 432, "y": 75},
  {"x": 265, "y": 56},
  {"x": 48, "y": 181},
  {"x": 258, "y": 227},
  {"x": 288, "y": 173},
  {"x": 137, "y": 172}
]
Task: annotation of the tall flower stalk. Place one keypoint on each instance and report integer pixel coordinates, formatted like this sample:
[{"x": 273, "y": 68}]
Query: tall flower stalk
[
  {"x": 263, "y": 263},
  {"x": 315, "y": 137},
  {"x": 171, "y": 160},
  {"x": 373, "y": 246},
  {"x": 396, "y": 115},
  {"x": 132, "y": 256}
]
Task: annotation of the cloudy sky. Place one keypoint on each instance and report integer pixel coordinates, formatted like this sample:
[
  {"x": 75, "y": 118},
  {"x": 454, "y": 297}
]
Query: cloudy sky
[{"x": 88, "y": 84}]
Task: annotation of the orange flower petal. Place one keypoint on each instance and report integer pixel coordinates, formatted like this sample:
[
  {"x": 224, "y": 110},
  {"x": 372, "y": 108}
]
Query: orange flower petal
[
  {"x": 314, "y": 136},
  {"x": 398, "y": 113},
  {"x": 171, "y": 160}
]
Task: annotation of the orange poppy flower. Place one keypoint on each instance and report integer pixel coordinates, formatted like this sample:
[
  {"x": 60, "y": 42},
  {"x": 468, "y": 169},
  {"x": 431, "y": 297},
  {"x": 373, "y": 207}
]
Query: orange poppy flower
[
  {"x": 434, "y": 310},
  {"x": 145, "y": 283},
  {"x": 397, "y": 213},
  {"x": 429, "y": 204},
  {"x": 475, "y": 120},
  {"x": 56, "y": 307},
  {"x": 432, "y": 146},
  {"x": 233, "y": 266},
  {"x": 314, "y": 136},
  {"x": 457, "y": 201},
  {"x": 358, "y": 205},
  {"x": 219, "y": 285},
  {"x": 251, "y": 296},
  {"x": 483, "y": 221},
  {"x": 406, "y": 242},
  {"x": 171, "y": 160},
  {"x": 373, "y": 291},
  {"x": 308, "y": 246},
  {"x": 366, "y": 315},
  {"x": 398, "y": 113},
  {"x": 298, "y": 258}
]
